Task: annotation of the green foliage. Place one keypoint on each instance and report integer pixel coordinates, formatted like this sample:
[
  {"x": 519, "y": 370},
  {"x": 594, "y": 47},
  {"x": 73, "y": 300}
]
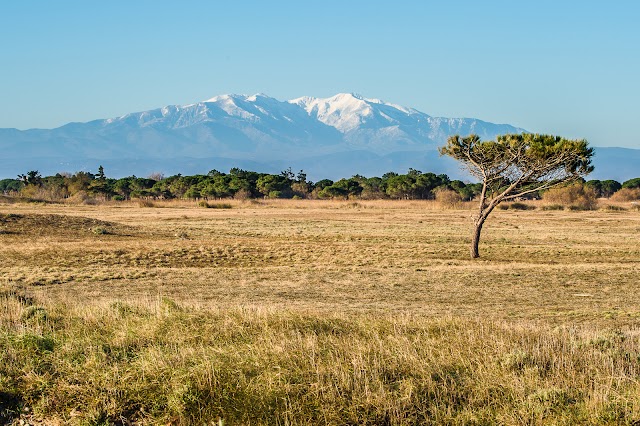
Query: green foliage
[
  {"x": 322, "y": 184},
  {"x": 274, "y": 186},
  {"x": 416, "y": 185},
  {"x": 239, "y": 183},
  {"x": 32, "y": 177},
  {"x": 632, "y": 183},
  {"x": 344, "y": 188},
  {"x": 604, "y": 188},
  {"x": 10, "y": 185}
]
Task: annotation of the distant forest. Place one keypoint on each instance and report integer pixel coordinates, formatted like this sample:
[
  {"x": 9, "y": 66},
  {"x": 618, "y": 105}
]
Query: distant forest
[{"x": 244, "y": 184}]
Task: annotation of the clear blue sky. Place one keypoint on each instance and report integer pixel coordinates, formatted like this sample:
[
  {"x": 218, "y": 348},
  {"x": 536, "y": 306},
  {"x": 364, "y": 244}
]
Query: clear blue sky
[{"x": 565, "y": 67}]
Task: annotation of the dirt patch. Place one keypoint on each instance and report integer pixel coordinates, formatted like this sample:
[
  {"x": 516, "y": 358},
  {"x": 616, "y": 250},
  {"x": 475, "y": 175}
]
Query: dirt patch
[{"x": 59, "y": 225}]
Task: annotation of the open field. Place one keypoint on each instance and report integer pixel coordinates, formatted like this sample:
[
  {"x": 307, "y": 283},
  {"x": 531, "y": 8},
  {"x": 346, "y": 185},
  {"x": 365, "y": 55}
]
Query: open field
[{"x": 317, "y": 312}]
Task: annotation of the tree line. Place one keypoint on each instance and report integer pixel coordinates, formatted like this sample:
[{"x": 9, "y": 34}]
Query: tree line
[{"x": 238, "y": 183}]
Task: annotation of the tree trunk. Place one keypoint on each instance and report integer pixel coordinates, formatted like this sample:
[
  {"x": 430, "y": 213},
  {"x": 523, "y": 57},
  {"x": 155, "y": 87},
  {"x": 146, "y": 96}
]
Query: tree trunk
[{"x": 476, "y": 237}]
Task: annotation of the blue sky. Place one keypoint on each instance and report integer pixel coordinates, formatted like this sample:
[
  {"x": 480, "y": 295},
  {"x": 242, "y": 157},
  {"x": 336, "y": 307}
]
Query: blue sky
[{"x": 568, "y": 68}]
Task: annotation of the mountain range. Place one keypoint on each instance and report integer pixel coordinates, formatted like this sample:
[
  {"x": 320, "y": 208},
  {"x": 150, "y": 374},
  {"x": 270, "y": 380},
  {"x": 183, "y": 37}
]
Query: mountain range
[{"x": 332, "y": 137}]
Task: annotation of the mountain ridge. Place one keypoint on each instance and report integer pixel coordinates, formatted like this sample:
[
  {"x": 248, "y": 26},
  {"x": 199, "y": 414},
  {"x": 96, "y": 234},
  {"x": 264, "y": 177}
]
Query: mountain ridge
[{"x": 253, "y": 129}]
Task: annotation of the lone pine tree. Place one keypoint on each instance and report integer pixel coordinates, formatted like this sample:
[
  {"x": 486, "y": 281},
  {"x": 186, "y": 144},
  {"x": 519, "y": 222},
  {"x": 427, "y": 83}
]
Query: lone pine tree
[{"x": 515, "y": 165}]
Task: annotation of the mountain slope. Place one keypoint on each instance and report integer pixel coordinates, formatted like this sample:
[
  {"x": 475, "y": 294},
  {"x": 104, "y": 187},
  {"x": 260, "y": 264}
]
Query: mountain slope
[{"x": 325, "y": 136}]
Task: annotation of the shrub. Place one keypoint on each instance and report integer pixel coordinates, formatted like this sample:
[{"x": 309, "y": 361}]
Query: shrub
[
  {"x": 81, "y": 197},
  {"x": 448, "y": 198},
  {"x": 515, "y": 206},
  {"x": 553, "y": 207},
  {"x": 242, "y": 194},
  {"x": 577, "y": 196},
  {"x": 626, "y": 194},
  {"x": 208, "y": 205},
  {"x": 579, "y": 208},
  {"x": 615, "y": 208},
  {"x": 100, "y": 231},
  {"x": 146, "y": 203},
  {"x": 521, "y": 206}
]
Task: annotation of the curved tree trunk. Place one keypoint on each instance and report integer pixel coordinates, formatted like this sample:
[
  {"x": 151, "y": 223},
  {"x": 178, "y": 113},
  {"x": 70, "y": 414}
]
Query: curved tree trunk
[{"x": 475, "y": 241}]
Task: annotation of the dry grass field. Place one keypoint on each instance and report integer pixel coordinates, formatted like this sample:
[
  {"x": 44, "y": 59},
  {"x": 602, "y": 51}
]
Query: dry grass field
[{"x": 317, "y": 312}]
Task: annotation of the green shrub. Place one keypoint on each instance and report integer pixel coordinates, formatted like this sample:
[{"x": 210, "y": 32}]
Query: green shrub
[{"x": 100, "y": 230}]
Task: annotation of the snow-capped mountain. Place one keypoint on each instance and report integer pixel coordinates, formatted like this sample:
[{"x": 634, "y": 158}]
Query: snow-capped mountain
[{"x": 346, "y": 133}]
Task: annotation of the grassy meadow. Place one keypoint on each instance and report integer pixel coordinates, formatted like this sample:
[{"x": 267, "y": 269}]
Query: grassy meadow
[{"x": 317, "y": 312}]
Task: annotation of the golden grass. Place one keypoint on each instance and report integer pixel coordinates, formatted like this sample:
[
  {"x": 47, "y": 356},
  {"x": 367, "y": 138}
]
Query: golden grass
[{"x": 307, "y": 312}]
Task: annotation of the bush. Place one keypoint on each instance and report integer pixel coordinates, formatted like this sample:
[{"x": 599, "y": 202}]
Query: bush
[
  {"x": 553, "y": 207},
  {"x": 521, "y": 206},
  {"x": 576, "y": 196},
  {"x": 208, "y": 205},
  {"x": 242, "y": 194},
  {"x": 516, "y": 206},
  {"x": 146, "y": 203},
  {"x": 626, "y": 194},
  {"x": 100, "y": 231},
  {"x": 615, "y": 208},
  {"x": 81, "y": 197},
  {"x": 220, "y": 206},
  {"x": 448, "y": 198}
]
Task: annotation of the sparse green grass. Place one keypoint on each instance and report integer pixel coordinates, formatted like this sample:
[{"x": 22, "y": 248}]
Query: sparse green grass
[{"x": 317, "y": 312}]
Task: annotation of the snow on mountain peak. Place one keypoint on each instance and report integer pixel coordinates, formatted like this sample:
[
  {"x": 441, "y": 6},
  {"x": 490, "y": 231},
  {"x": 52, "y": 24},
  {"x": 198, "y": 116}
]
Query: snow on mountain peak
[
  {"x": 348, "y": 111},
  {"x": 363, "y": 121}
]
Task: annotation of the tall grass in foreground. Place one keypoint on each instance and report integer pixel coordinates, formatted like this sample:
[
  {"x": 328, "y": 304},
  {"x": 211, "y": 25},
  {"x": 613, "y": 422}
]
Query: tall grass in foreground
[{"x": 159, "y": 362}]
